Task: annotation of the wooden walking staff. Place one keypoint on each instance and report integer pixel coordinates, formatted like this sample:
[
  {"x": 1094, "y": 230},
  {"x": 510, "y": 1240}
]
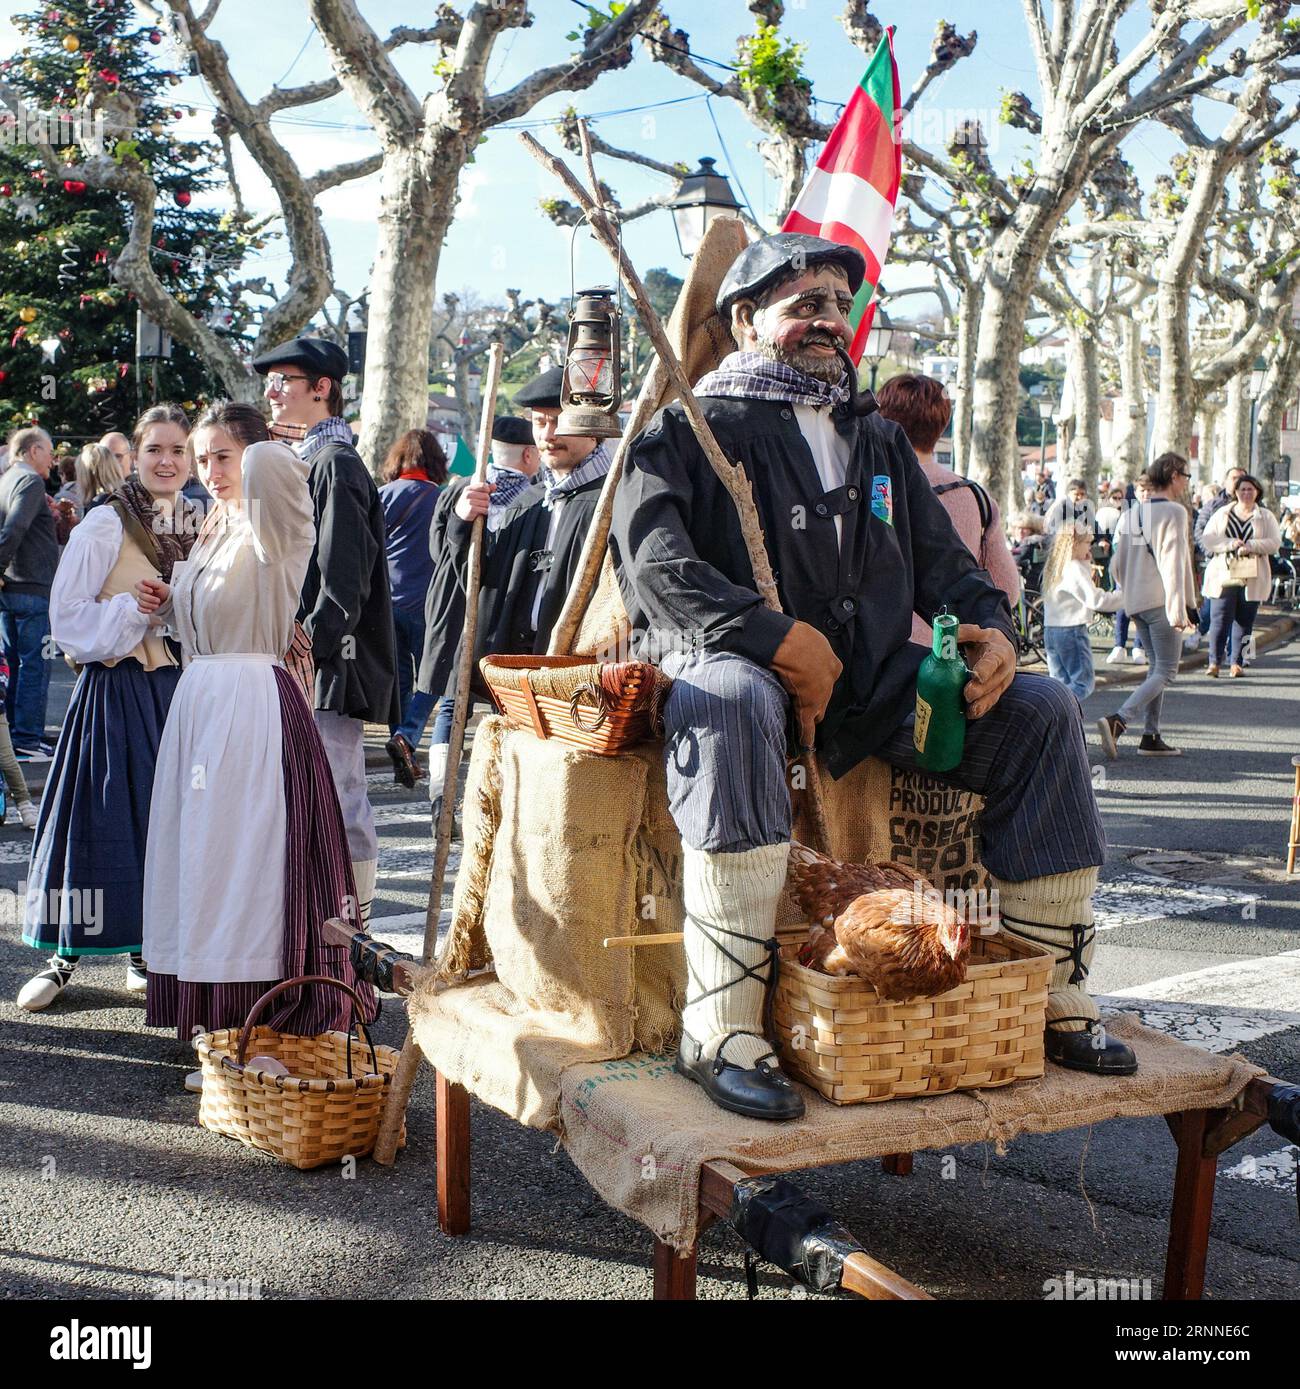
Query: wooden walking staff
[
  {"x": 399, "y": 1091},
  {"x": 732, "y": 475}
]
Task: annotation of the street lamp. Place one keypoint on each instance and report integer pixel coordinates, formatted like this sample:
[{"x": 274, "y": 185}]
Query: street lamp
[
  {"x": 1256, "y": 388},
  {"x": 876, "y": 346},
  {"x": 701, "y": 196},
  {"x": 1046, "y": 409}
]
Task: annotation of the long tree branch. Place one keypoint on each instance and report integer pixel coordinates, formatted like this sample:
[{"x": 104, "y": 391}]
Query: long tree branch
[{"x": 365, "y": 70}]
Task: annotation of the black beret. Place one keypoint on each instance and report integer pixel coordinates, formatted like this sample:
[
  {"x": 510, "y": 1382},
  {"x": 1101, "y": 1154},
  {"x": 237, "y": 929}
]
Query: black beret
[
  {"x": 510, "y": 429},
  {"x": 542, "y": 391},
  {"x": 316, "y": 355},
  {"x": 776, "y": 257}
]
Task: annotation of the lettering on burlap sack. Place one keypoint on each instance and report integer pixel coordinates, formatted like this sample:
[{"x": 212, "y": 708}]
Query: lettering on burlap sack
[{"x": 934, "y": 828}]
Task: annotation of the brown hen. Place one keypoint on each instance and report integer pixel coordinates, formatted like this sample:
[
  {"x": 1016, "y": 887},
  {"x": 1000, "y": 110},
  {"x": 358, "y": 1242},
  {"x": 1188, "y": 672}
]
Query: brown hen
[{"x": 883, "y": 922}]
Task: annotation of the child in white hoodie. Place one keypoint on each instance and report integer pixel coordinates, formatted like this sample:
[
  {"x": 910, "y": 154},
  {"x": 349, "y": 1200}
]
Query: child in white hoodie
[{"x": 1069, "y": 599}]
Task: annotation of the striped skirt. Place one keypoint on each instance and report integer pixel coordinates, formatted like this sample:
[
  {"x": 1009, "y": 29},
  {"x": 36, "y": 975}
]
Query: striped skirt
[
  {"x": 86, "y": 876},
  {"x": 318, "y": 884}
]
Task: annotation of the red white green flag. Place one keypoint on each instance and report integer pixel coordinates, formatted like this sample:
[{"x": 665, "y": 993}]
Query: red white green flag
[{"x": 850, "y": 195}]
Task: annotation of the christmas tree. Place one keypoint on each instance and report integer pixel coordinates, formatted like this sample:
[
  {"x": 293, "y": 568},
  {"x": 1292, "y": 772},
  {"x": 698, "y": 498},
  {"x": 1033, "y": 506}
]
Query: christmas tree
[{"x": 67, "y": 329}]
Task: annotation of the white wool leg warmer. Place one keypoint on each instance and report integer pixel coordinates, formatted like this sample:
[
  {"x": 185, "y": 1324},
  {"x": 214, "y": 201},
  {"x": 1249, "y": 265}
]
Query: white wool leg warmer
[
  {"x": 364, "y": 871},
  {"x": 730, "y": 897},
  {"x": 1056, "y": 911}
]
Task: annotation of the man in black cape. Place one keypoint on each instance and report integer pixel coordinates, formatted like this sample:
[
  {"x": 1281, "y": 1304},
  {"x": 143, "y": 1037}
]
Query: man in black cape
[
  {"x": 346, "y": 608},
  {"x": 531, "y": 552},
  {"x": 858, "y": 542}
]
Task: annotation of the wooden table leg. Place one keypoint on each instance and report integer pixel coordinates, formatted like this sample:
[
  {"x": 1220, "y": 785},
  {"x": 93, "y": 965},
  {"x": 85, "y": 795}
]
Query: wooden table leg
[
  {"x": 674, "y": 1276},
  {"x": 452, "y": 1141},
  {"x": 897, "y": 1164},
  {"x": 1189, "y": 1216}
]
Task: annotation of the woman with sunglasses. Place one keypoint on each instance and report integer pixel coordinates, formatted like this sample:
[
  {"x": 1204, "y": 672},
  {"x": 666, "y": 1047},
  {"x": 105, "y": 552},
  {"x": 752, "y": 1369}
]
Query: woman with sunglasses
[{"x": 1238, "y": 538}]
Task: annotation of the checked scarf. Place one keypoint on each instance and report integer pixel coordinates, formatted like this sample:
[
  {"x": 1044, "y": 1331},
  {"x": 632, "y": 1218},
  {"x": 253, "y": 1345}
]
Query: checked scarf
[
  {"x": 752, "y": 376},
  {"x": 596, "y": 464},
  {"x": 328, "y": 431}
]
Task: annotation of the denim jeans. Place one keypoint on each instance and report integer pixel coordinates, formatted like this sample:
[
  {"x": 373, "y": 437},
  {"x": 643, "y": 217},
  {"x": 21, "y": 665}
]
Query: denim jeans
[
  {"x": 1164, "y": 647},
  {"x": 1230, "y": 613},
  {"x": 408, "y": 626},
  {"x": 1069, "y": 659},
  {"x": 1122, "y": 620},
  {"x": 24, "y": 627}
]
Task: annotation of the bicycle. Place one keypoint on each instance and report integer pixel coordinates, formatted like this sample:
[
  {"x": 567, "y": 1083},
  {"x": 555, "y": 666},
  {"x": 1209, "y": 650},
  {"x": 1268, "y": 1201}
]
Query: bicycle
[
  {"x": 1027, "y": 618},
  {"x": 1286, "y": 582}
]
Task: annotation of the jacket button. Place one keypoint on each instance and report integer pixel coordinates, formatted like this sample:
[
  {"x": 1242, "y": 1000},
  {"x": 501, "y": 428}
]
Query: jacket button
[
  {"x": 832, "y": 625},
  {"x": 785, "y": 414},
  {"x": 849, "y": 605},
  {"x": 853, "y": 494},
  {"x": 822, "y": 508}
]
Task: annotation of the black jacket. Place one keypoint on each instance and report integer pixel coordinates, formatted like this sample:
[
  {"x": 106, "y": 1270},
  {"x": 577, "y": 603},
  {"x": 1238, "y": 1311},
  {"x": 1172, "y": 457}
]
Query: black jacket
[
  {"x": 509, "y": 581},
  {"x": 346, "y": 608},
  {"x": 687, "y": 581}
]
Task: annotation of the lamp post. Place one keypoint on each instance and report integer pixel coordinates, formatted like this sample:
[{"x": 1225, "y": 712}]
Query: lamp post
[
  {"x": 1256, "y": 388},
  {"x": 1046, "y": 409},
  {"x": 701, "y": 196},
  {"x": 876, "y": 347}
]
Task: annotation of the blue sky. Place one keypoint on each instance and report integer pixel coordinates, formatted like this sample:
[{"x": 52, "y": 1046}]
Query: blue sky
[{"x": 500, "y": 238}]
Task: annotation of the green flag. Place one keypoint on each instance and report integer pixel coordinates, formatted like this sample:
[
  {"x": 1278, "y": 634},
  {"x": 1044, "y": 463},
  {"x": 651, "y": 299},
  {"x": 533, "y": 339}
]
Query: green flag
[{"x": 462, "y": 462}]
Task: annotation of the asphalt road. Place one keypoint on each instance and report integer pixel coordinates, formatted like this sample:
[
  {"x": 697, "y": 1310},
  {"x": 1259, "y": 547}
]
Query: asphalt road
[{"x": 113, "y": 1190}]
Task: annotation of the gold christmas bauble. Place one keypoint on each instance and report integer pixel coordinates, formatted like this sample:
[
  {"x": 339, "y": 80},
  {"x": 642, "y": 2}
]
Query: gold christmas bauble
[
  {"x": 71, "y": 42},
  {"x": 27, "y": 314},
  {"x": 187, "y": 406}
]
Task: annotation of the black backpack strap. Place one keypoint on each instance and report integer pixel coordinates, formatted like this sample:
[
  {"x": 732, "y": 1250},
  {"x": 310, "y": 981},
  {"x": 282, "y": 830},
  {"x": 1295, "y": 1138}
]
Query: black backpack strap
[{"x": 981, "y": 498}]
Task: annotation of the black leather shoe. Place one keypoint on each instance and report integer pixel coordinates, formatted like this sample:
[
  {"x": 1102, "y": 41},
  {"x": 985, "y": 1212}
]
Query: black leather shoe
[
  {"x": 406, "y": 770},
  {"x": 758, "y": 1092},
  {"x": 1091, "y": 1050}
]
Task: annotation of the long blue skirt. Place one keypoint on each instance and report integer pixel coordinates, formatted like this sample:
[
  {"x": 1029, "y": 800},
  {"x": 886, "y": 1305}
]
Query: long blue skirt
[{"x": 85, "y": 882}]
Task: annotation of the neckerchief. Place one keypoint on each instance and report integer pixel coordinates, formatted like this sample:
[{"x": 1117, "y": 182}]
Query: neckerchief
[
  {"x": 509, "y": 486},
  {"x": 752, "y": 376},
  {"x": 595, "y": 465},
  {"x": 328, "y": 431},
  {"x": 171, "y": 536}
]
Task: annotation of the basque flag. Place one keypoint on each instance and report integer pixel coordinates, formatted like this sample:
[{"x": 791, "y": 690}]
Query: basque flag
[{"x": 850, "y": 195}]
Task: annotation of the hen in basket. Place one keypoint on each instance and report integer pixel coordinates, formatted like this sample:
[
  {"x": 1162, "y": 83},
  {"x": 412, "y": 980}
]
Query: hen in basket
[{"x": 881, "y": 921}]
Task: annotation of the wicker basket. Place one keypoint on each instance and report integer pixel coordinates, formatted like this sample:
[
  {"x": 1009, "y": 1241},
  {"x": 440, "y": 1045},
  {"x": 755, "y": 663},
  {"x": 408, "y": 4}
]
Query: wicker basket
[
  {"x": 317, "y": 1114},
  {"x": 602, "y": 708},
  {"x": 836, "y": 1034}
]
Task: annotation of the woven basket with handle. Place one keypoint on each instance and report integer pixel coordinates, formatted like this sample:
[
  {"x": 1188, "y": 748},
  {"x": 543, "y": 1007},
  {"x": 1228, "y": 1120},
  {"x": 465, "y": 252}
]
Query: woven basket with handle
[
  {"x": 838, "y": 1035},
  {"x": 600, "y": 707},
  {"x": 320, "y": 1112}
]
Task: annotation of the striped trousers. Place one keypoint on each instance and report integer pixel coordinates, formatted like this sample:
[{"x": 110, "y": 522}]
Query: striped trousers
[{"x": 725, "y": 725}]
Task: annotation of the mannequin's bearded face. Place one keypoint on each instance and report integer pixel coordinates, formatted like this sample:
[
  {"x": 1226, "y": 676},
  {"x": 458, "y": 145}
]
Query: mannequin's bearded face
[{"x": 800, "y": 322}]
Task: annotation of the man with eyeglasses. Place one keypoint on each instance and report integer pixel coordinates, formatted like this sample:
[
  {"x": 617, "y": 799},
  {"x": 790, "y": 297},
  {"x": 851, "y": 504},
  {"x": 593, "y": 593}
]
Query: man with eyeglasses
[{"x": 346, "y": 609}]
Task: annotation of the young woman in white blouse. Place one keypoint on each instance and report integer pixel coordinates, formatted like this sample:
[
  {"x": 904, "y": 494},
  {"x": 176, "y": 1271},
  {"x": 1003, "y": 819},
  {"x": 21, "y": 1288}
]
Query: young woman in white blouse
[
  {"x": 247, "y": 852},
  {"x": 87, "y": 866},
  {"x": 1069, "y": 600},
  {"x": 1238, "y": 539}
]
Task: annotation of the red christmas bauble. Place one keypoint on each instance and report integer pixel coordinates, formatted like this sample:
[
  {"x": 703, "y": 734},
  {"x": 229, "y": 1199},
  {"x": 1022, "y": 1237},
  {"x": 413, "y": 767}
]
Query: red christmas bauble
[
  {"x": 65, "y": 332},
  {"x": 176, "y": 265},
  {"x": 4, "y": 376},
  {"x": 74, "y": 186},
  {"x": 109, "y": 76},
  {"x": 183, "y": 196},
  {"x": 6, "y": 190},
  {"x": 155, "y": 36}
]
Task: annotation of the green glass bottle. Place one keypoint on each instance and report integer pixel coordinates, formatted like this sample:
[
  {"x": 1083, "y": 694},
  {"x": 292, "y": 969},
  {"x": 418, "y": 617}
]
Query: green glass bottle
[{"x": 940, "y": 732}]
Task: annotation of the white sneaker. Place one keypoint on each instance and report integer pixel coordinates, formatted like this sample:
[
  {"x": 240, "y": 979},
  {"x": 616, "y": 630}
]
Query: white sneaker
[
  {"x": 1139, "y": 657},
  {"x": 1118, "y": 656},
  {"x": 27, "y": 814},
  {"x": 136, "y": 978},
  {"x": 41, "y": 990}
]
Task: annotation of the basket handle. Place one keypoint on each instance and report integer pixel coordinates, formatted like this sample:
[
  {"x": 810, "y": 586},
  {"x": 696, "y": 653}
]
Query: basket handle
[
  {"x": 258, "y": 1007},
  {"x": 539, "y": 722}
]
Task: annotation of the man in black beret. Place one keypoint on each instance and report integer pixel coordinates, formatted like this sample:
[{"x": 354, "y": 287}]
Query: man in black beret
[
  {"x": 513, "y": 475},
  {"x": 858, "y": 542},
  {"x": 532, "y": 548},
  {"x": 346, "y": 610}
]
